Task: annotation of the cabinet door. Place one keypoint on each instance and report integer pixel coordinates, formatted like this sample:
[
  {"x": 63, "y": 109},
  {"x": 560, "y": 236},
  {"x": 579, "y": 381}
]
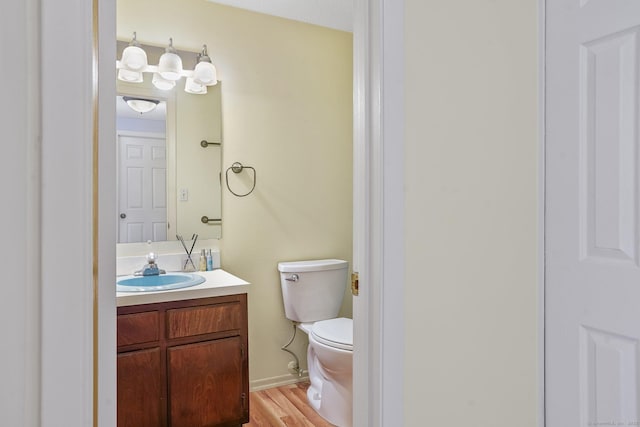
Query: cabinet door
[
  {"x": 140, "y": 397},
  {"x": 205, "y": 383}
]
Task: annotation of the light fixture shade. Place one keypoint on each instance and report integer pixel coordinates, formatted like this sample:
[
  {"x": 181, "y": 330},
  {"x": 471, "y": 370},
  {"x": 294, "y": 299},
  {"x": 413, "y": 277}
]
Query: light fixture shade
[
  {"x": 130, "y": 76},
  {"x": 141, "y": 105},
  {"x": 205, "y": 74},
  {"x": 170, "y": 65},
  {"x": 162, "y": 83},
  {"x": 134, "y": 58},
  {"x": 191, "y": 86}
]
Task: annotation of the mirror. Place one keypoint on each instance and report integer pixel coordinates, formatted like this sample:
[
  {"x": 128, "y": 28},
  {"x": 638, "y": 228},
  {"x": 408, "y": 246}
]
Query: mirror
[{"x": 168, "y": 179}]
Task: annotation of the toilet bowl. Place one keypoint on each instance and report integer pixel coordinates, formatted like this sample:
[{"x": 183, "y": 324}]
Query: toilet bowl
[
  {"x": 330, "y": 361},
  {"x": 312, "y": 293}
]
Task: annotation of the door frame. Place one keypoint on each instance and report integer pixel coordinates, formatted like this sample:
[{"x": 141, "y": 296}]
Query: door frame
[
  {"x": 378, "y": 213},
  {"x": 71, "y": 303},
  {"x": 378, "y": 47},
  {"x": 378, "y": 242},
  {"x": 542, "y": 180}
]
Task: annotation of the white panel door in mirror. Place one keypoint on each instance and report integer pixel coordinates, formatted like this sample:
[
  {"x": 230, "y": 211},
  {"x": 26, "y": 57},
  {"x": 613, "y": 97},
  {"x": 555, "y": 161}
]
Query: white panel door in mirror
[{"x": 142, "y": 188}]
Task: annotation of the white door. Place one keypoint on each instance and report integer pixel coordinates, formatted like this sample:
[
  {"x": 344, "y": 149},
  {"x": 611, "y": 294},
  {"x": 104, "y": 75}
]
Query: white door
[
  {"x": 142, "y": 189},
  {"x": 592, "y": 273}
]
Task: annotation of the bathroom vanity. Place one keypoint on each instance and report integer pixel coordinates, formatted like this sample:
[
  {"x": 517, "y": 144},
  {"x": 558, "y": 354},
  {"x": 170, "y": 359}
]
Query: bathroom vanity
[{"x": 183, "y": 355}]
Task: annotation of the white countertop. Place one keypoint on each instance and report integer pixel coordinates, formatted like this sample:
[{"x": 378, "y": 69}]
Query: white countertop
[{"x": 217, "y": 283}]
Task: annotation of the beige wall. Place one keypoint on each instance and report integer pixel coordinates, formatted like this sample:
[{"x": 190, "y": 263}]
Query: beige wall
[
  {"x": 471, "y": 286},
  {"x": 287, "y": 111}
]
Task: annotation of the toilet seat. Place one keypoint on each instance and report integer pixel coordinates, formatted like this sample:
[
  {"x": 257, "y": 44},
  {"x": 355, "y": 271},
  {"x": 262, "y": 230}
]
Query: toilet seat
[{"x": 336, "y": 333}]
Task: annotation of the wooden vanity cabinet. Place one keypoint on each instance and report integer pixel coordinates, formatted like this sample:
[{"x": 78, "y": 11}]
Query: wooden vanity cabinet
[{"x": 183, "y": 363}]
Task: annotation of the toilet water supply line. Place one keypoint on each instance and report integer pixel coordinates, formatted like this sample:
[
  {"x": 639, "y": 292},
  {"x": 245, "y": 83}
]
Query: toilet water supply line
[{"x": 296, "y": 367}]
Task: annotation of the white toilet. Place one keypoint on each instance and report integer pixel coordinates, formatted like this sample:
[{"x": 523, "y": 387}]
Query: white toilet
[{"x": 312, "y": 292}]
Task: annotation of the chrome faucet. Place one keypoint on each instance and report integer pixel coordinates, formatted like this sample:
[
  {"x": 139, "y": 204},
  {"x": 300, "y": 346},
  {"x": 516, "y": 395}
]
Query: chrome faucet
[{"x": 151, "y": 268}]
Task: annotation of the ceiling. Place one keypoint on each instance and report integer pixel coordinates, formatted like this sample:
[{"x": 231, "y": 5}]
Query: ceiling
[{"x": 336, "y": 14}]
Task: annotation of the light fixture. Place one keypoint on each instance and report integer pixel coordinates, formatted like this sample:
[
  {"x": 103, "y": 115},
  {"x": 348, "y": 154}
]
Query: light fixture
[
  {"x": 205, "y": 73},
  {"x": 191, "y": 86},
  {"x": 130, "y": 76},
  {"x": 134, "y": 58},
  {"x": 162, "y": 83},
  {"x": 141, "y": 105},
  {"x": 133, "y": 64},
  {"x": 170, "y": 66}
]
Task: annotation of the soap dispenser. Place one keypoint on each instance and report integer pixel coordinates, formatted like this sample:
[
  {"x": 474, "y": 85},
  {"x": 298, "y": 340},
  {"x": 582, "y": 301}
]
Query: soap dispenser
[
  {"x": 209, "y": 261},
  {"x": 203, "y": 261}
]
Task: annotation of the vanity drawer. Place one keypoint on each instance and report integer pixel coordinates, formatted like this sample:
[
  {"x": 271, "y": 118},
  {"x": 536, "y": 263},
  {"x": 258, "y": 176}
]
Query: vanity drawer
[
  {"x": 185, "y": 322},
  {"x": 138, "y": 328}
]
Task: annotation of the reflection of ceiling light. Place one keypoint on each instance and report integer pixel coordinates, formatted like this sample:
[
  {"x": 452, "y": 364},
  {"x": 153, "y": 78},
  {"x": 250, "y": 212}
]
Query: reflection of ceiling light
[
  {"x": 168, "y": 71},
  {"x": 141, "y": 105}
]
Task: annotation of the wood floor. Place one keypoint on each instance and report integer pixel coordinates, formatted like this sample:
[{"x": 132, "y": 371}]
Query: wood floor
[{"x": 284, "y": 406}]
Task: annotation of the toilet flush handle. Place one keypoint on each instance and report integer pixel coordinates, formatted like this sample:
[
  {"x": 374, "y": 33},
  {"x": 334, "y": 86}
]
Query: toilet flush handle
[{"x": 292, "y": 278}]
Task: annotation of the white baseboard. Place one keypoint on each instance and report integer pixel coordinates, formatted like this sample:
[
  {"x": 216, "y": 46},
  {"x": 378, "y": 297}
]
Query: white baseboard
[{"x": 278, "y": 381}]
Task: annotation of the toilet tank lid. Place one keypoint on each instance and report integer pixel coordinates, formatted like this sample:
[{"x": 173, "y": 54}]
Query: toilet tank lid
[{"x": 312, "y": 265}]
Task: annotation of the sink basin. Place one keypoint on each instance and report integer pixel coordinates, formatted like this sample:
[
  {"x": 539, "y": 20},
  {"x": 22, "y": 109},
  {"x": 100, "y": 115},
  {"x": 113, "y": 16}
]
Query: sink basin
[{"x": 161, "y": 282}]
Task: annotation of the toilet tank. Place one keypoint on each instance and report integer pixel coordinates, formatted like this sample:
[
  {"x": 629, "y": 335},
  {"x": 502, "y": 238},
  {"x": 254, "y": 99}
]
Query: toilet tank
[{"x": 313, "y": 290}]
